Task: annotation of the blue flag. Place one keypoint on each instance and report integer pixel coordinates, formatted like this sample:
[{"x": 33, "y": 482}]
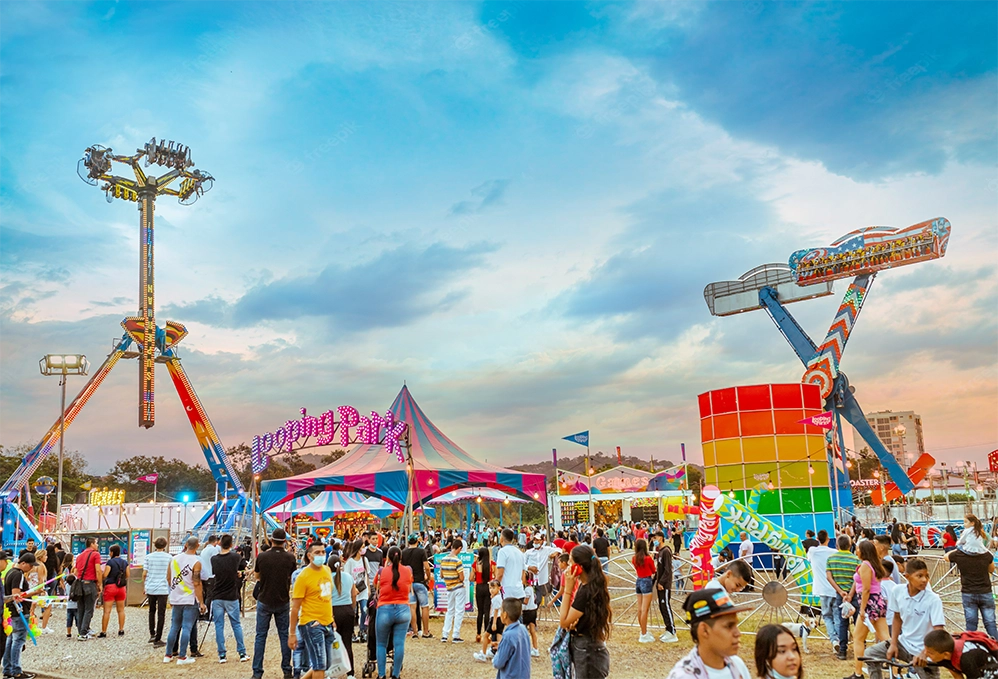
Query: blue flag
[{"x": 582, "y": 438}]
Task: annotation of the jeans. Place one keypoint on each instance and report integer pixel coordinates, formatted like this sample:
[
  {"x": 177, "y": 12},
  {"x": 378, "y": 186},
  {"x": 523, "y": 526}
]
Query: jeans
[
  {"x": 220, "y": 609},
  {"x": 392, "y": 621},
  {"x": 85, "y": 606},
  {"x": 318, "y": 640},
  {"x": 181, "y": 623},
  {"x": 590, "y": 658},
  {"x": 831, "y": 615},
  {"x": 605, "y": 560},
  {"x": 281, "y": 615},
  {"x": 844, "y": 622},
  {"x": 880, "y": 651},
  {"x": 983, "y": 605},
  {"x": 457, "y": 599},
  {"x": 157, "y": 615},
  {"x": 15, "y": 642}
]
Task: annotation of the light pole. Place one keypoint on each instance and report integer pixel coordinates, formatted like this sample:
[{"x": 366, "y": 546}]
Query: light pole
[{"x": 62, "y": 365}]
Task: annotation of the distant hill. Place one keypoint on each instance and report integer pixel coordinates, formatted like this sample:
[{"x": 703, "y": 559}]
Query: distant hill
[{"x": 599, "y": 461}]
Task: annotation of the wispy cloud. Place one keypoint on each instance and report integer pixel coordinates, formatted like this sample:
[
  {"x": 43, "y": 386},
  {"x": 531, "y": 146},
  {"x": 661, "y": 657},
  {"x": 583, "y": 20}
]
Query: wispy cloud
[{"x": 484, "y": 195}]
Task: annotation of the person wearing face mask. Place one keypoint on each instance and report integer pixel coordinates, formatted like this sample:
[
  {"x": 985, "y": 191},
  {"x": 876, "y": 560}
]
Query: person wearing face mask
[
  {"x": 777, "y": 655},
  {"x": 312, "y": 612}
]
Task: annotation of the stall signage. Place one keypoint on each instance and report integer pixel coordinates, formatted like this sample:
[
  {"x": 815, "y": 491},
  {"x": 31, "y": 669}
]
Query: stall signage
[
  {"x": 621, "y": 480},
  {"x": 105, "y": 497},
  {"x": 864, "y": 483}
]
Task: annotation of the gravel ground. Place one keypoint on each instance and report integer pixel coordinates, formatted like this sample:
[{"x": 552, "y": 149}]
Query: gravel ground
[{"x": 131, "y": 656}]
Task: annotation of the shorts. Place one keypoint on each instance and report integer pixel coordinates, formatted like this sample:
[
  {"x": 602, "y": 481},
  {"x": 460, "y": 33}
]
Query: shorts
[
  {"x": 876, "y": 606},
  {"x": 114, "y": 593},
  {"x": 643, "y": 586},
  {"x": 419, "y": 595},
  {"x": 495, "y": 631},
  {"x": 529, "y": 617}
]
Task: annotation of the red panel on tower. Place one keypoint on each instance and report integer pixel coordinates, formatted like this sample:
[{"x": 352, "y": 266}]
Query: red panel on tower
[{"x": 754, "y": 398}]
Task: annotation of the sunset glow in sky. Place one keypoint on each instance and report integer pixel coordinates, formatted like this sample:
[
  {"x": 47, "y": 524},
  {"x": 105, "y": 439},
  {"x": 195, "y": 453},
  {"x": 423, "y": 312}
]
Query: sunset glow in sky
[{"x": 514, "y": 207}]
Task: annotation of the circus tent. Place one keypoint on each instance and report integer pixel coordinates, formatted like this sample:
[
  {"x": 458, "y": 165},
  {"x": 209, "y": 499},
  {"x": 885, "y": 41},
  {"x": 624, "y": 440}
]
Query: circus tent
[
  {"x": 439, "y": 467},
  {"x": 472, "y": 495}
]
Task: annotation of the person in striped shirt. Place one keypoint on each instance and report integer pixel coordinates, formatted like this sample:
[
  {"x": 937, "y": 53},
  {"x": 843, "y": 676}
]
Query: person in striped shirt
[
  {"x": 452, "y": 573},
  {"x": 157, "y": 587},
  {"x": 839, "y": 570}
]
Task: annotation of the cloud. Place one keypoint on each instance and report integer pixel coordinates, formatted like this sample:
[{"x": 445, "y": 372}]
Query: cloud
[
  {"x": 485, "y": 196},
  {"x": 391, "y": 290}
]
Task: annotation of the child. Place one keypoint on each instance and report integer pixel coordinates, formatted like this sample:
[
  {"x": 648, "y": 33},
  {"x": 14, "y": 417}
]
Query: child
[
  {"x": 494, "y": 626},
  {"x": 562, "y": 567},
  {"x": 511, "y": 658},
  {"x": 972, "y": 539},
  {"x": 735, "y": 578},
  {"x": 972, "y": 658},
  {"x": 529, "y": 619},
  {"x": 71, "y": 607}
]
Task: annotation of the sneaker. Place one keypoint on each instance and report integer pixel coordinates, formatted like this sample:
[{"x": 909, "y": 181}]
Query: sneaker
[
  {"x": 443, "y": 640},
  {"x": 167, "y": 659},
  {"x": 457, "y": 640},
  {"x": 102, "y": 635},
  {"x": 668, "y": 638},
  {"x": 244, "y": 658},
  {"x": 152, "y": 639},
  {"x": 47, "y": 630},
  {"x": 187, "y": 661},
  {"x": 197, "y": 654},
  {"x": 534, "y": 653},
  {"x": 222, "y": 660},
  {"x": 121, "y": 633},
  {"x": 646, "y": 638},
  {"x": 480, "y": 657},
  {"x": 69, "y": 635},
  {"x": 158, "y": 644},
  {"x": 23, "y": 675},
  {"x": 489, "y": 654},
  {"x": 83, "y": 637}
]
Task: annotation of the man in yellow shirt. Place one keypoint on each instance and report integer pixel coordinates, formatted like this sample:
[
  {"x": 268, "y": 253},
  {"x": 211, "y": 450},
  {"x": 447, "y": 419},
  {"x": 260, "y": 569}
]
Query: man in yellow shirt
[{"x": 312, "y": 612}]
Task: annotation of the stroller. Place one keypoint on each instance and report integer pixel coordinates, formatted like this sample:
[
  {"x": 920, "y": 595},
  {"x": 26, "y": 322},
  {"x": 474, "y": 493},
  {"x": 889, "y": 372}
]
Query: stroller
[{"x": 371, "y": 665}]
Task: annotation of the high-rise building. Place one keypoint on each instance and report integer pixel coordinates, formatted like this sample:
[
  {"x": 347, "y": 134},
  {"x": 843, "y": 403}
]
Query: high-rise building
[{"x": 906, "y": 444}]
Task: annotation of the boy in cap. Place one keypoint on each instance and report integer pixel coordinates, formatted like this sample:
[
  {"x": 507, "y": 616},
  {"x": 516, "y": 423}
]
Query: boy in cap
[{"x": 713, "y": 620}]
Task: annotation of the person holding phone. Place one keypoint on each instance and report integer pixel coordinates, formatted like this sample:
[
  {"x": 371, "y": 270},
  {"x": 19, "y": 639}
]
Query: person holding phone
[{"x": 587, "y": 616}]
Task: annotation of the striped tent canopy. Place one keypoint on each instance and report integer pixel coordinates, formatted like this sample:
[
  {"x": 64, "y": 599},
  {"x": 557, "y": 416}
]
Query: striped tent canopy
[
  {"x": 292, "y": 507},
  {"x": 330, "y": 504},
  {"x": 472, "y": 495},
  {"x": 439, "y": 466}
]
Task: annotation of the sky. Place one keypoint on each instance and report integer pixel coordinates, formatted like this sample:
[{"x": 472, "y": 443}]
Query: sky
[{"x": 511, "y": 207}]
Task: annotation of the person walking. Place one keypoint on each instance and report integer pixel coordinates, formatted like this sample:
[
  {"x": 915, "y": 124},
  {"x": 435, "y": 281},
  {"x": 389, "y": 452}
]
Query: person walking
[
  {"x": 602, "y": 548},
  {"x": 975, "y": 588},
  {"x": 452, "y": 573},
  {"x": 156, "y": 581},
  {"x": 88, "y": 571},
  {"x": 115, "y": 576},
  {"x": 872, "y": 604},
  {"x": 839, "y": 571},
  {"x": 227, "y": 568},
  {"x": 644, "y": 569},
  {"x": 356, "y": 565},
  {"x": 481, "y": 571},
  {"x": 538, "y": 561},
  {"x": 15, "y": 584},
  {"x": 822, "y": 588},
  {"x": 587, "y": 615},
  {"x": 394, "y": 615},
  {"x": 186, "y": 598},
  {"x": 207, "y": 573},
  {"x": 273, "y": 569},
  {"x": 510, "y": 565},
  {"x": 344, "y": 602},
  {"x": 664, "y": 576},
  {"x": 312, "y": 612},
  {"x": 415, "y": 558}
]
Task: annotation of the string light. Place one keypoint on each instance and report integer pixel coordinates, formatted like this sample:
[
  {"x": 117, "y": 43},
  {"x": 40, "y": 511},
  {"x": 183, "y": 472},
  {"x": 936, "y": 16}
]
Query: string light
[{"x": 810, "y": 470}]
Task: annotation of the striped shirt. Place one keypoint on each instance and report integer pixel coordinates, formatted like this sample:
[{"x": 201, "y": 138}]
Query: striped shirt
[
  {"x": 842, "y": 566},
  {"x": 451, "y": 568},
  {"x": 156, "y": 565}
]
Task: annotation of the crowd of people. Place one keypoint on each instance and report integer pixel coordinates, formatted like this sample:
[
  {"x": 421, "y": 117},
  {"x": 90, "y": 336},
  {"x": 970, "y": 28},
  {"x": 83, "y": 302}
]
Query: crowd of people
[{"x": 325, "y": 597}]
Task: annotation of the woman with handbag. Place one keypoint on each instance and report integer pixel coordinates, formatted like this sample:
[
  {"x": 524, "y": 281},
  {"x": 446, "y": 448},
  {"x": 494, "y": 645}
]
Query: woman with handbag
[
  {"x": 587, "y": 614},
  {"x": 356, "y": 565}
]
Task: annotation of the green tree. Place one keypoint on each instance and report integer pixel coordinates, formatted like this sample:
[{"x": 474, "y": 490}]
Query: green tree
[
  {"x": 175, "y": 478},
  {"x": 281, "y": 465},
  {"x": 74, "y": 472}
]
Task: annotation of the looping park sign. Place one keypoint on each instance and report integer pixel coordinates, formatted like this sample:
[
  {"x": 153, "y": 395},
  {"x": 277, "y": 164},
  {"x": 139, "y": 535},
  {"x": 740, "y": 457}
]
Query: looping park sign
[{"x": 373, "y": 430}]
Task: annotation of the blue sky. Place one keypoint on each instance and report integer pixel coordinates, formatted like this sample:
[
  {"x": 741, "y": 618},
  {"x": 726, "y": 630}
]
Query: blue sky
[{"x": 512, "y": 206}]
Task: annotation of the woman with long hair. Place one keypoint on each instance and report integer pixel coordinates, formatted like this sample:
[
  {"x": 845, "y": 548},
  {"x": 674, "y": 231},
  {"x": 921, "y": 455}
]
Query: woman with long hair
[
  {"x": 115, "y": 590},
  {"x": 872, "y": 603},
  {"x": 644, "y": 568},
  {"x": 587, "y": 614},
  {"x": 481, "y": 569},
  {"x": 355, "y": 564},
  {"x": 40, "y": 575},
  {"x": 344, "y": 602},
  {"x": 393, "y": 617},
  {"x": 777, "y": 655}
]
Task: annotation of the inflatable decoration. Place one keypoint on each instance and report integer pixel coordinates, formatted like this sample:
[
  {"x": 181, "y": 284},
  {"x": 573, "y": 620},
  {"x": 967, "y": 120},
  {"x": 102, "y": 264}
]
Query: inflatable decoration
[{"x": 703, "y": 540}]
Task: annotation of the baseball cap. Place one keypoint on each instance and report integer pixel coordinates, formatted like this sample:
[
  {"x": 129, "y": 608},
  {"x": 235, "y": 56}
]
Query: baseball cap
[
  {"x": 279, "y": 535},
  {"x": 413, "y": 537},
  {"x": 709, "y": 603},
  {"x": 27, "y": 557}
]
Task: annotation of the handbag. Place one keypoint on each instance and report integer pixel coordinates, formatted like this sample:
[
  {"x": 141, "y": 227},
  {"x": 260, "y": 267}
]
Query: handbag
[
  {"x": 561, "y": 655},
  {"x": 338, "y": 661},
  {"x": 76, "y": 589}
]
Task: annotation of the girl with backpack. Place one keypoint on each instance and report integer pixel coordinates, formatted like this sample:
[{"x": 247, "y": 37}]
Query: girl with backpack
[{"x": 115, "y": 589}]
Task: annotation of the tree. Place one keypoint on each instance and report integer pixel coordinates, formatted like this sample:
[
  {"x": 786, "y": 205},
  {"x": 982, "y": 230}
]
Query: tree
[
  {"x": 74, "y": 471},
  {"x": 175, "y": 478},
  {"x": 281, "y": 465}
]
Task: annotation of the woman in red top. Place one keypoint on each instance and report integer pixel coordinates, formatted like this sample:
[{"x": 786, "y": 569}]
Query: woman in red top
[
  {"x": 482, "y": 570},
  {"x": 644, "y": 567},
  {"x": 394, "y": 616}
]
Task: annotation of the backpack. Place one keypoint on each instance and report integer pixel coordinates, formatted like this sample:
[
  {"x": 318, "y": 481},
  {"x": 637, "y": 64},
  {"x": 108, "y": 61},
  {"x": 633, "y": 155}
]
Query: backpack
[
  {"x": 979, "y": 638},
  {"x": 121, "y": 573}
]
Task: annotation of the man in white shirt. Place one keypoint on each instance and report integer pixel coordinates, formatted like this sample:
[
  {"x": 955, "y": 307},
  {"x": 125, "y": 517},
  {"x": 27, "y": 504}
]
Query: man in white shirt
[
  {"x": 821, "y": 588},
  {"x": 538, "y": 560},
  {"x": 510, "y": 565},
  {"x": 745, "y": 549},
  {"x": 917, "y": 611},
  {"x": 207, "y": 575},
  {"x": 713, "y": 620}
]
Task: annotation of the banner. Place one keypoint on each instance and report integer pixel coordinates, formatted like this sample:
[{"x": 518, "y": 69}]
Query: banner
[
  {"x": 148, "y": 478},
  {"x": 582, "y": 438},
  {"x": 824, "y": 420},
  {"x": 619, "y": 461},
  {"x": 554, "y": 456}
]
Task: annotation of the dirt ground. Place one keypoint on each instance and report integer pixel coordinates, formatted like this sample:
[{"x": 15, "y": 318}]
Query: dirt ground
[{"x": 131, "y": 656}]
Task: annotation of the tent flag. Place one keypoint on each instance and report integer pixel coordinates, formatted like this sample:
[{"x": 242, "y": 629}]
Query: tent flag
[
  {"x": 582, "y": 438},
  {"x": 619, "y": 461},
  {"x": 554, "y": 456}
]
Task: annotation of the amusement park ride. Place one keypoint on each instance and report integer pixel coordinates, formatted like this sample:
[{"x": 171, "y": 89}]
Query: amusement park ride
[
  {"x": 858, "y": 255},
  {"x": 152, "y": 343}
]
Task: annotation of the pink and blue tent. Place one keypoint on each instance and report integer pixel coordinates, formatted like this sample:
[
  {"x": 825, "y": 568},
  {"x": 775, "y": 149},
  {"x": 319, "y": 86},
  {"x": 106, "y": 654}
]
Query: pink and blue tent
[
  {"x": 472, "y": 495},
  {"x": 292, "y": 507},
  {"x": 330, "y": 504},
  {"x": 439, "y": 466}
]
